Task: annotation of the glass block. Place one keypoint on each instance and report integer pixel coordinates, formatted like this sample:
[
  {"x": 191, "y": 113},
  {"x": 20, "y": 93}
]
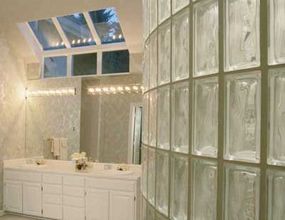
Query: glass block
[
  {"x": 144, "y": 209},
  {"x": 145, "y": 118},
  {"x": 152, "y": 117},
  {"x": 144, "y": 157},
  {"x": 180, "y": 46},
  {"x": 153, "y": 14},
  {"x": 205, "y": 117},
  {"x": 163, "y": 117},
  {"x": 146, "y": 17},
  {"x": 178, "y": 5},
  {"x": 206, "y": 38},
  {"x": 146, "y": 67},
  {"x": 241, "y": 193},
  {"x": 151, "y": 176},
  {"x": 160, "y": 217},
  {"x": 242, "y": 49},
  {"x": 164, "y": 48},
  {"x": 242, "y": 139},
  {"x": 150, "y": 213},
  {"x": 276, "y": 192},
  {"x": 107, "y": 25},
  {"x": 277, "y": 117},
  {"x": 179, "y": 188},
  {"x": 162, "y": 181},
  {"x": 163, "y": 10},
  {"x": 276, "y": 31},
  {"x": 180, "y": 117},
  {"x": 153, "y": 60},
  {"x": 204, "y": 190}
]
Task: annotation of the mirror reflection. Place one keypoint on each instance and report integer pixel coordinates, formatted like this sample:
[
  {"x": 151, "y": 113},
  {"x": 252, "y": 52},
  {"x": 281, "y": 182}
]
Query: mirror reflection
[{"x": 102, "y": 118}]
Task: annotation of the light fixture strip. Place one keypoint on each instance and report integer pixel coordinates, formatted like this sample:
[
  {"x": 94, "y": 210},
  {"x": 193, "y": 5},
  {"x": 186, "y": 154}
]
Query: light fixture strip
[
  {"x": 61, "y": 33},
  {"x": 51, "y": 92},
  {"x": 115, "y": 89},
  {"x": 92, "y": 29}
]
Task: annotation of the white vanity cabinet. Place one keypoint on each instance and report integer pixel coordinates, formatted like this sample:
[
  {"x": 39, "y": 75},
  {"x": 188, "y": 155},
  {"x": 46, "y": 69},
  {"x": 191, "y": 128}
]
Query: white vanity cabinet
[
  {"x": 97, "y": 204},
  {"x": 52, "y": 196},
  {"x": 111, "y": 199},
  {"x": 13, "y": 196},
  {"x": 71, "y": 196},
  {"x": 32, "y": 198},
  {"x": 22, "y": 192}
]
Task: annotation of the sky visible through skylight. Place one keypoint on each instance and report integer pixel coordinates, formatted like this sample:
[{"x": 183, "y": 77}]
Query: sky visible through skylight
[{"x": 77, "y": 30}]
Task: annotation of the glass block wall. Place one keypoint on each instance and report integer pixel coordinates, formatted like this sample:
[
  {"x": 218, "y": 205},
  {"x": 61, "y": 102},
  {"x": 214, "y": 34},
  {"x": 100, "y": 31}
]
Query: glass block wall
[{"x": 214, "y": 110}]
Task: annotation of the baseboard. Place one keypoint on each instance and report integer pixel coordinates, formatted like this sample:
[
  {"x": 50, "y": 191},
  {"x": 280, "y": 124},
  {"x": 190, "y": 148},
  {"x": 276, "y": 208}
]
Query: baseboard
[{"x": 2, "y": 212}]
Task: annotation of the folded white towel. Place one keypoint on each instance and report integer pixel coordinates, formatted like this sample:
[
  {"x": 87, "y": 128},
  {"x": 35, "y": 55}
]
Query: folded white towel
[
  {"x": 56, "y": 147},
  {"x": 63, "y": 148}
]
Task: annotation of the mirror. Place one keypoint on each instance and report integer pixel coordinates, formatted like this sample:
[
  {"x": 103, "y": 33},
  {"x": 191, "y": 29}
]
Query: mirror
[{"x": 105, "y": 125}]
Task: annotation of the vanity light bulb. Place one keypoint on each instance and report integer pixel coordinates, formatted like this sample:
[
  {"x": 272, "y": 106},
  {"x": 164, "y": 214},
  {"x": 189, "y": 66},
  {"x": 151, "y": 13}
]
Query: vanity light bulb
[
  {"x": 84, "y": 40},
  {"x": 114, "y": 37},
  {"x": 127, "y": 88},
  {"x": 120, "y": 36},
  {"x": 113, "y": 89},
  {"x": 135, "y": 88},
  {"x": 120, "y": 88},
  {"x": 62, "y": 43},
  {"x": 73, "y": 42},
  {"x": 57, "y": 44},
  {"x": 91, "y": 90},
  {"x": 89, "y": 40},
  {"x": 79, "y": 41},
  {"x": 71, "y": 91},
  {"x": 98, "y": 90}
]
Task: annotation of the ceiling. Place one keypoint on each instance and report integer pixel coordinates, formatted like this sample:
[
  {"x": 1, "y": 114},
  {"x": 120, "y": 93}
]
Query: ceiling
[{"x": 13, "y": 12}]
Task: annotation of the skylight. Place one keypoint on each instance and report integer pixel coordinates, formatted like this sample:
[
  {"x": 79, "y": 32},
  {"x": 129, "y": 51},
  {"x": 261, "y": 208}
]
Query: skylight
[
  {"x": 47, "y": 34},
  {"x": 78, "y": 30},
  {"x": 107, "y": 25}
]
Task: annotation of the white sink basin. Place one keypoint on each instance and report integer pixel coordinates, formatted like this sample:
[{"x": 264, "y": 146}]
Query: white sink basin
[
  {"x": 117, "y": 172},
  {"x": 33, "y": 166}
]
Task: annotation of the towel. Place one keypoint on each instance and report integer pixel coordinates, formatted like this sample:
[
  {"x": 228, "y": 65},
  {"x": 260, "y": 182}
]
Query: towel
[
  {"x": 63, "y": 148},
  {"x": 55, "y": 147}
]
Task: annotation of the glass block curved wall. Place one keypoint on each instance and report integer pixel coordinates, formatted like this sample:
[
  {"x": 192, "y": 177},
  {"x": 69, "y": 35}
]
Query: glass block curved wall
[{"x": 213, "y": 143}]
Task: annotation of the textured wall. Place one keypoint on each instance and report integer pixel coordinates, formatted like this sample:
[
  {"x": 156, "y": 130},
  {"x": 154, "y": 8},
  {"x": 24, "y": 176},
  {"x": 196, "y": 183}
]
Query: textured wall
[
  {"x": 53, "y": 117},
  {"x": 107, "y": 117},
  {"x": 12, "y": 107}
]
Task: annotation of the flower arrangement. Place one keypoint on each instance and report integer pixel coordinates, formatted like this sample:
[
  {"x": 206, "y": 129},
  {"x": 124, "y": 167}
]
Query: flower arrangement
[{"x": 81, "y": 160}]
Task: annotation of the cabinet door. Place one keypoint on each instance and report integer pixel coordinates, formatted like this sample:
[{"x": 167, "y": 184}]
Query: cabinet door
[
  {"x": 97, "y": 204},
  {"x": 13, "y": 196},
  {"x": 32, "y": 199},
  {"x": 122, "y": 206},
  {"x": 73, "y": 213}
]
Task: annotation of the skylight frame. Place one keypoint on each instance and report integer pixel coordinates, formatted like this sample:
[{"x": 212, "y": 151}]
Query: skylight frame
[{"x": 69, "y": 51}]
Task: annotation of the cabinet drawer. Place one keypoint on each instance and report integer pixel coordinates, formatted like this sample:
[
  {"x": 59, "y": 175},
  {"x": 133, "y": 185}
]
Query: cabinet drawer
[
  {"x": 73, "y": 181},
  {"x": 12, "y": 175},
  {"x": 53, "y": 179},
  {"x": 52, "y": 189},
  {"x": 113, "y": 184},
  {"x": 52, "y": 199},
  {"x": 73, "y": 191},
  {"x": 31, "y": 177},
  {"x": 73, "y": 201}
]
